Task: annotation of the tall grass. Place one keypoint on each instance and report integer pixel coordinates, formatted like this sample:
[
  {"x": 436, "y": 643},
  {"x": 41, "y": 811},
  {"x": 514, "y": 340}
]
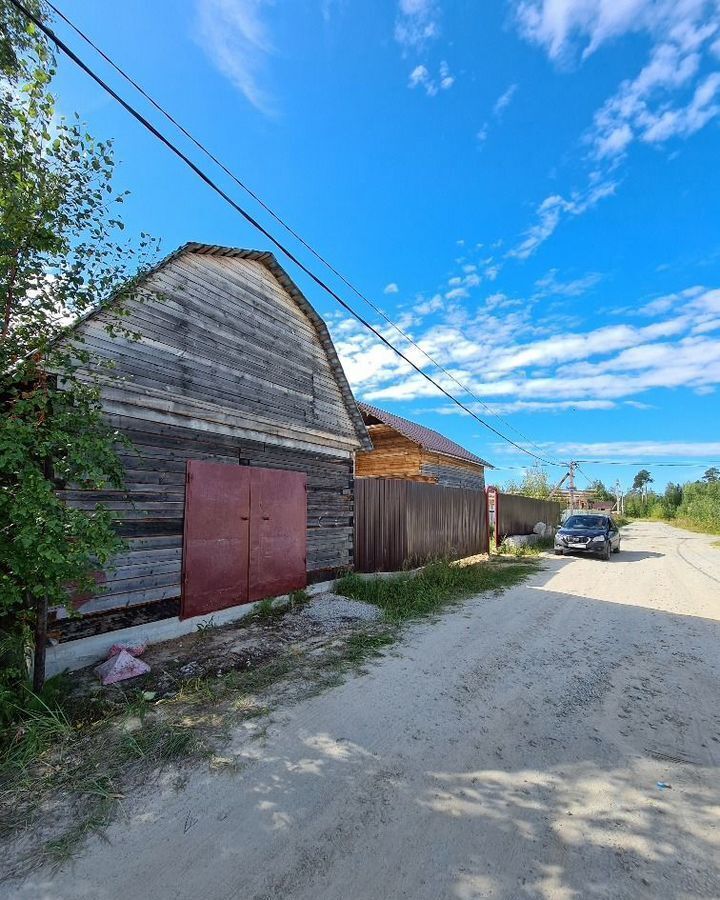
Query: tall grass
[
  {"x": 403, "y": 597},
  {"x": 700, "y": 506}
]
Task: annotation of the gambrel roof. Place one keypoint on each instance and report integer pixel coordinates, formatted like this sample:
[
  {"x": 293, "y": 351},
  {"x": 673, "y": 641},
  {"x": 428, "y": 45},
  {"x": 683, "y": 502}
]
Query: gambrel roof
[{"x": 268, "y": 260}]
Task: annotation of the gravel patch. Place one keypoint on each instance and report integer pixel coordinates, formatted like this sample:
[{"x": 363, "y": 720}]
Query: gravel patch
[{"x": 333, "y": 611}]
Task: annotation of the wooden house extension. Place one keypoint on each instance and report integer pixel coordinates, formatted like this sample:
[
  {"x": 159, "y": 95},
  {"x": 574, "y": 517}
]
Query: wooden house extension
[
  {"x": 404, "y": 449},
  {"x": 243, "y": 431}
]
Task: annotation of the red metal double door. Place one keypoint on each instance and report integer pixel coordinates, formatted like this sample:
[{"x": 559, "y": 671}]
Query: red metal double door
[{"x": 245, "y": 535}]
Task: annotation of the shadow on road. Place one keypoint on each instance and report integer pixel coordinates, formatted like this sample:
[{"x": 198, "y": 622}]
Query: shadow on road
[
  {"x": 637, "y": 555},
  {"x": 623, "y": 556},
  {"x": 513, "y": 750}
]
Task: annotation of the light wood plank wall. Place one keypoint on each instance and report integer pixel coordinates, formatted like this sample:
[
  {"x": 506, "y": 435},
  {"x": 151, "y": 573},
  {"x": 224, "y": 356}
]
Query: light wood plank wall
[{"x": 396, "y": 456}]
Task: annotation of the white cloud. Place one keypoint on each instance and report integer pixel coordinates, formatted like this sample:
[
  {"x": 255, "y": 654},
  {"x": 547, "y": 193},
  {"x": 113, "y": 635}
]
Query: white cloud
[
  {"x": 655, "y": 105},
  {"x": 505, "y": 99},
  {"x": 505, "y": 355},
  {"x": 391, "y": 288},
  {"x": 456, "y": 293},
  {"x": 501, "y": 301},
  {"x": 550, "y": 286},
  {"x": 446, "y": 79},
  {"x": 425, "y": 307},
  {"x": 619, "y": 450},
  {"x": 501, "y": 104},
  {"x": 534, "y": 406},
  {"x": 235, "y": 37},
  {"x": 417, "y": 23},
  {"x": 421, "y": 77},
  {"x": 551, "y": 212},
  {"x": 696, "y": 299},
  {"x": 643, "y": 108},
  {"x": 563, "y": 27},
  {"x": 672, "y": 95}
]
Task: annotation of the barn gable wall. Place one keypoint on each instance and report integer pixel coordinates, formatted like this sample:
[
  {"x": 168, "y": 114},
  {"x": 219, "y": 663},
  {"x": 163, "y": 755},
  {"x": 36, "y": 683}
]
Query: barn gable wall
[{"x": 227, "y": 368}]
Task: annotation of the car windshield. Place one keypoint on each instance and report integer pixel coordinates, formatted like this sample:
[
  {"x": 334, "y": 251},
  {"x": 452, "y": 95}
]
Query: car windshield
[{"x": 586, "y": 522}]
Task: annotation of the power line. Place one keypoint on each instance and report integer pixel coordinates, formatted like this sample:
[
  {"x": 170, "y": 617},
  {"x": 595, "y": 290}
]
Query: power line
[
  {"x": 613, "y": 462},
  {"x": 248, "y": 190},
  {"x": 61, "y": 45},
  {"x": 585, "y": 476}
]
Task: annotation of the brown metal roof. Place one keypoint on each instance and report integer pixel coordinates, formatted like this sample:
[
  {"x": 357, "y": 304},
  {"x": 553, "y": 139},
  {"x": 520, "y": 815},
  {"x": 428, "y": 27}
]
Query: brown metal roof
[{"x": 425, "y": 437}]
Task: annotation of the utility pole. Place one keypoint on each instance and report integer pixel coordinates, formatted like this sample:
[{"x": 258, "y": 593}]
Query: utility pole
[{"x": 571, "y": 486}]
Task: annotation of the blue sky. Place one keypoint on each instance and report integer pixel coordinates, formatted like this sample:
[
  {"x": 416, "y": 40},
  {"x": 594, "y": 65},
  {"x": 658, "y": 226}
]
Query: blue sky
[{"x": 530, "y": 189}]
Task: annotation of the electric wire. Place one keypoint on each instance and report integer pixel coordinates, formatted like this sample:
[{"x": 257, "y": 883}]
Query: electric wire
[
  {"x": 62, "y": 46},
  {"x": 245, "y": 187},
  {"x": 615, "y": 462}
]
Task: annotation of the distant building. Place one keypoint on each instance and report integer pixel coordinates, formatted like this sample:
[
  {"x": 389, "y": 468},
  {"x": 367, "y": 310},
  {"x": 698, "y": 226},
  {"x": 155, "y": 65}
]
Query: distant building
[
  {"x": 404, "y": 449},
  {"x": 584, "y": 500}
]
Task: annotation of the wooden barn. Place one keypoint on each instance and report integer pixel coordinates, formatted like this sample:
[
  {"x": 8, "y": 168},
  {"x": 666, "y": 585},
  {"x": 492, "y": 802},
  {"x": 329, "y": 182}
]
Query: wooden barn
[
  {"x": 404, "y": 449},
  {"x": 239, "y": 480}
]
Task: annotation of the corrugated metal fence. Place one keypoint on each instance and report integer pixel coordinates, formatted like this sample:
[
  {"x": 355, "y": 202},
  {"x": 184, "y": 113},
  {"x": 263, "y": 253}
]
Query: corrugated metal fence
[
  {"x": 519, "y": 515},
  {"x": 404, "y": 523}
]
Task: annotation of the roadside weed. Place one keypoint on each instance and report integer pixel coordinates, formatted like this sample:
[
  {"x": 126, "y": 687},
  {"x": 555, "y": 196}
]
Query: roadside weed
[
  {"x": 264, "y": 609},
  {"x": 403, "y": 597}
]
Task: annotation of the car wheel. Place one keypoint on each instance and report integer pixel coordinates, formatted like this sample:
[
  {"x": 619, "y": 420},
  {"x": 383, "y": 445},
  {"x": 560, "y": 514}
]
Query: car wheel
[
  {"x": 559, "y": 553},
  {"x": 606, "y": 554},
  {"x": 617, "y": 549}
]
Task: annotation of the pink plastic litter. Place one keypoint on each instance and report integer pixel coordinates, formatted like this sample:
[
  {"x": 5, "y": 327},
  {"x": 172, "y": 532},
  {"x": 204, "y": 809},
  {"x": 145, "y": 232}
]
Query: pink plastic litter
[
  {"x": 132, "y": 649},
  {"x": 120, "y": 667}
]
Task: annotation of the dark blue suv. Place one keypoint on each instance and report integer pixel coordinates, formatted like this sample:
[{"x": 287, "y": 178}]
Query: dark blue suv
[{"x": 586, "y": 533}]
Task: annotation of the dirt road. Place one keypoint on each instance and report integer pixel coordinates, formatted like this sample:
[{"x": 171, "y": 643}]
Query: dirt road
[{"x": 511, "y": 749}]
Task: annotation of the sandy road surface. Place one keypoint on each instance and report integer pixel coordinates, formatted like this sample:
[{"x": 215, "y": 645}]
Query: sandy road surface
[{"x": 511, "y": 749}]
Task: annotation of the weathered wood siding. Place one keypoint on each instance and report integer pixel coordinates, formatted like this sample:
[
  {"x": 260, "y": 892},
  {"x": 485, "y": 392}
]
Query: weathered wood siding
[
  {"x": 227, "y": 368},
  {"x": 452, "y": 472}
]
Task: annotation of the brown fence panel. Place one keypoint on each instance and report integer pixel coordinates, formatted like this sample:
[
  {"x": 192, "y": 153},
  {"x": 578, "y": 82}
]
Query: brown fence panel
[
  {"x": 403, "y": 523},
  {"x": 380, "y": 533},
  {"x": 519, "y": 515}
]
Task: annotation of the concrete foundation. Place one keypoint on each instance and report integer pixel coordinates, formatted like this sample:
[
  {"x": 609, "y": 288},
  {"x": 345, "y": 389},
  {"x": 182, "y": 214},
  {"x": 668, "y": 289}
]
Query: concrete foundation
[{"x": 73, "y": 655}]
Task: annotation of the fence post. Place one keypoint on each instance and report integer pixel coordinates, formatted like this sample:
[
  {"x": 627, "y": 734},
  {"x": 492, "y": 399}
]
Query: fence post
[
  {"x": 496, "y": 523},
  {"x": 487, "y": 519}
]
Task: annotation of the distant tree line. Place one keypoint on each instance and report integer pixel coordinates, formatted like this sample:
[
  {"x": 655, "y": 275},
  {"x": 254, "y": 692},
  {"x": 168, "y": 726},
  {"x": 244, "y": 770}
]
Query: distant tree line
[{"x": 696, "y": 503}]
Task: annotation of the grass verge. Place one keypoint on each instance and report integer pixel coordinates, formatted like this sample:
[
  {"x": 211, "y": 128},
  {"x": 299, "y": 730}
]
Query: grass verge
[
  {"x": 404, "y": 597},
  {"x": 690, "y": 525}
]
